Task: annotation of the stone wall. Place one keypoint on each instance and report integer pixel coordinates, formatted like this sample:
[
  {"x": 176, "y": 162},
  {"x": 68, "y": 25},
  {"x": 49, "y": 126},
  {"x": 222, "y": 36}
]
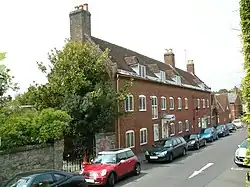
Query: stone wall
[
  {"x": 27, "y": 158},
  {"x": 105, "y": 141}
]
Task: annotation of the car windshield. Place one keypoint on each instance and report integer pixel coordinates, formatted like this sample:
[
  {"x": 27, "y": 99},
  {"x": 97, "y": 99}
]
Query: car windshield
[
  {"x": 105, "y": 159},
  {"x": 163, "y": 143},
  {"x": 245, "y": 144},
  {"x": 208, "y": 130},
  {"x": 230, "y": 125},
  {"x": 236, "y": 121},
  {"x": 18, "y": 181},
  {"x": 193, "y": 136},
  {"x": 219, "y": 127}
]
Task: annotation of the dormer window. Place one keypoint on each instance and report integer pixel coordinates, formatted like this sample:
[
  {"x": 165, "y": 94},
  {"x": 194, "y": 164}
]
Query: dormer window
[
  {"x": 142, "y": 70},
  {"x": 162, "y": 76}
]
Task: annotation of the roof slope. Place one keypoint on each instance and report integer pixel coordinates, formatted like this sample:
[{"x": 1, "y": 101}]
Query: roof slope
[
  {"x": 232, "y": 97},
  {"x": 119, "y": 53},
  {"x": 222, "y": 101}
]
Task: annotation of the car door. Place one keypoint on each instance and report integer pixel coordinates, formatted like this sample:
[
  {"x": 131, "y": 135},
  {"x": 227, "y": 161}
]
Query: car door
[
  {"x": 122, "y": 167},
  {"x": 131, "y": 160},
  {"x": 176, "y": 150},
  {"x": 180, "y": 146}
]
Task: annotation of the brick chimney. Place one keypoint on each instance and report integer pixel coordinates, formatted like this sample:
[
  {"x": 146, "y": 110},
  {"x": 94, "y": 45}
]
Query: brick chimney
[
  {"x": 169, "y": 57},
  {"x": 190, "y": 67},
  {"x": 80, "y": 22}
]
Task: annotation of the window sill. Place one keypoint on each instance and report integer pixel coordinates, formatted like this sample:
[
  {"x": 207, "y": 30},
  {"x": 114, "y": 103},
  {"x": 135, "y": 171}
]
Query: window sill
[
  {"x": 186, "y": 108},
  {"x": 187, "y": 130},
  {"x": 129, "y": 110},
  {"x": 180, "y": 132},
  {"x": 179, "y": 108},
  {"x": 171, "y": 134},
  {"x": 142, "y": 110},
  {"x": 171, "y": 109},
  {"x": 144, "y": 143},
  {"x": 163, "y": 109},
  {"x": 131, "y": 147},
  {"x": 154, "y": 118}
]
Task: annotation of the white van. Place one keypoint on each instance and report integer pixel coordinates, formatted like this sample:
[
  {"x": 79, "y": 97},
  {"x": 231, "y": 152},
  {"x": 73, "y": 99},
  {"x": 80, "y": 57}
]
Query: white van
[{"x": 238, "y": 123}]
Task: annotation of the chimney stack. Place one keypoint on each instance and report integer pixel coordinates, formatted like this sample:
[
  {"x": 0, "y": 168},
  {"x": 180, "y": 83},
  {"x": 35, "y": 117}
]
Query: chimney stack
[
  {"x": 169, "y": 57},
  {"x": 190, "y": 67},
  {"x": 80, "y": 22}
]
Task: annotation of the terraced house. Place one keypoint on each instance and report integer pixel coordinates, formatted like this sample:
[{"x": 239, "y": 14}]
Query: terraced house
[{"x": 164, "y": 100}]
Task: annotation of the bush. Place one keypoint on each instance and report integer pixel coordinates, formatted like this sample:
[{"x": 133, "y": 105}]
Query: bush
[{"x": 26, "y": 127}]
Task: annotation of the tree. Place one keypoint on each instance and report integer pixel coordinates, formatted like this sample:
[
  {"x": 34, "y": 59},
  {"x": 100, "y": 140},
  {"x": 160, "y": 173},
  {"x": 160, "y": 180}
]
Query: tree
[
  {"x": 245, "y": 27},
  {"x": 6, "y": 82},
  {"x": 79, "y": 82}
]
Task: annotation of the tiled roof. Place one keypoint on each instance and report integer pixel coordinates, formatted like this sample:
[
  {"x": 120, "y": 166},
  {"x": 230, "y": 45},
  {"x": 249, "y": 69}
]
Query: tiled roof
[
  {"x": 118, "y": 55},
  {"x": 232, "y": 97}
]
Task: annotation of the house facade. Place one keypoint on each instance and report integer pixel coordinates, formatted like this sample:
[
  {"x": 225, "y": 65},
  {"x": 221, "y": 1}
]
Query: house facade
[
  {"x": 221, "y": 111},
  {"x": 235, "y": 105},
  {"x": 163, "y": 100}
]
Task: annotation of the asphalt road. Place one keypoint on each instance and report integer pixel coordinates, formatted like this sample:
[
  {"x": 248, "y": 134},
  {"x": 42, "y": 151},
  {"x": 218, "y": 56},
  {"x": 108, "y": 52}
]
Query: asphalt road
[{"x": 213, "y": 165}]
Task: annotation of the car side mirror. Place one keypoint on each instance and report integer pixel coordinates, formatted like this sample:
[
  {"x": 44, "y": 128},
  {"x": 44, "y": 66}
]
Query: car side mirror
[
  {"x": 238, "y": 146},
  {"x": 121, "y": 161}
]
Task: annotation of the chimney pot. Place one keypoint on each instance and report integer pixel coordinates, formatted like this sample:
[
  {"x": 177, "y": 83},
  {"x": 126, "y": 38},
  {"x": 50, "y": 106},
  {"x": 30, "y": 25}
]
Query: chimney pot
[
  {"x": 86, "y": 6},
  {"x": 190, "y": 67}
]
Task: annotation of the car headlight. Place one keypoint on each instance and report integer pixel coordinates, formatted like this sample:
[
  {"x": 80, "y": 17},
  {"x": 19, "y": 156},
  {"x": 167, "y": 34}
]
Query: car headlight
[
  {"x": 104, "y": 172},
  {"x": 192, "y": 142},
  {"x": 237, "y": 152},
  {"x": 146, "y": 153},
  {"x": 163, "y": 153}
]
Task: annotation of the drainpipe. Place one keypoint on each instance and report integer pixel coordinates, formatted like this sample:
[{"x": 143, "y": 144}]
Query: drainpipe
[{"x": 118, "y": 109}]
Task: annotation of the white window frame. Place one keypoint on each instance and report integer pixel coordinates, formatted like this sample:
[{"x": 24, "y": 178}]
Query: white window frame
[
  {"x": 162, "y": 76},
  {"x": 204, "y": 103},
  {"x": 179, "y": 103},
  {"x": 132, "y": 143},
  {"x": 186, "y": 103},
  {"x": 172, "y": 125},
  {"x": 171, "y": 107},
  {"x": 129, "y": 108},
  {"x": 143, "y": 97},
  {"x": 163, "y": 103},
  {"x": 142, "y": 70},
  {"x": 208, "y": 120},
  {"x": 208, "y": 103},
  {"x": 154, "y": 108},
  {"x": 198, "y": 103},
  {"x": 180, "y": 122},
  {"x": 156, "y": 138},
  {"x": 187, "y": 122},
  {"x": 199, "y": 122},
  {"x": 144, "y": 139}
]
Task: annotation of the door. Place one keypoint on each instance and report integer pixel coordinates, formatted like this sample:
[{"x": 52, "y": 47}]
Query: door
[
  {"x": 164, "y": 129},
  {"x": 43, "y": 180},
  {"x": 132, "y": 160},
  {"x": 122, "y": 167}
]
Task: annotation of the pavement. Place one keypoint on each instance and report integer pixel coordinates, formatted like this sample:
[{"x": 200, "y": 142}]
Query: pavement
[{"x": 210, "y": 166}]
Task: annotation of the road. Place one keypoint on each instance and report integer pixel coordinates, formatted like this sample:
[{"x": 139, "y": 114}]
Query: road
[{"x": 211, "y": 166}]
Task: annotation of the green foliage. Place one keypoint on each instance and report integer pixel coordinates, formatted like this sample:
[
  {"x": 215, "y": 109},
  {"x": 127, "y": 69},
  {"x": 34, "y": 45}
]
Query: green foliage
[
  {"x": 245, "y": 28},
  {"x": 79, "y": 82},
  {"x": 20, "y": 126}
]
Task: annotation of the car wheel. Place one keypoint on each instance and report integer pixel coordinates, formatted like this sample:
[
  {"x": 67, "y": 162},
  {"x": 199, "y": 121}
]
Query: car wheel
[
  {"x": 111, "y": 180},
  {"x": 184, "y": 152},
  {"x": 217, "y": 137},
  {"x": 198, "y": 146},
  {"x": 137, "y": 169},
  {"x": 205, "y": 142},
  {"x": 171, "y": 157}
]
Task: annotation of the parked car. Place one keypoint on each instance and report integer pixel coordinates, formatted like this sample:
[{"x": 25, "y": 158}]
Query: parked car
[
  {"x": 238, "y": 123},
  {"x": 241, "y": 152},
  {"x": 109, "y": 166},
  {"x": 210, "y": 134},
  {"x": 195, "y": 141},
  {"x": 231, "y": 127},
  {"x": 167, "y": 149},
  {"x": 46, "y": 178},
  {"x": 222, "y": 130}
]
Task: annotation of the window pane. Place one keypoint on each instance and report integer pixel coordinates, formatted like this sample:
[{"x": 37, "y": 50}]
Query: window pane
[{"x": 130, "y": 103}]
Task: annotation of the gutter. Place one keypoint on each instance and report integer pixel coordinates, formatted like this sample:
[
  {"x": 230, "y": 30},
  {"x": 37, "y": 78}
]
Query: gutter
[{"x": 118, "y": 109}]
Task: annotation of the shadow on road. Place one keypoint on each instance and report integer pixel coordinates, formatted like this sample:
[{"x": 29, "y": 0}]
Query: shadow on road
[{"x": 129, "y": 179}]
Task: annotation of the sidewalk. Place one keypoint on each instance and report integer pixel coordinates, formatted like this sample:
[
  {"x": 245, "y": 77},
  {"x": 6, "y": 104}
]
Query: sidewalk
[{"x": 141, "y": 157}]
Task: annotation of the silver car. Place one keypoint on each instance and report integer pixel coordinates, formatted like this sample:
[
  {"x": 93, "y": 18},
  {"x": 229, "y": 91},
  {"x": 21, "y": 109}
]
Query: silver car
[{"x": 241, "y": 152}]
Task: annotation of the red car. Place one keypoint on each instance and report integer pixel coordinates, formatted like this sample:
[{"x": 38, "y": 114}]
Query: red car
[{"x": 110, "y": 166}]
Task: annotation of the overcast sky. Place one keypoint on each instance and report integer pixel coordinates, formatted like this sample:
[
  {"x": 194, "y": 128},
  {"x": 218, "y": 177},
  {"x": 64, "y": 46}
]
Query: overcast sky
[{"x": 30, "y": 28}]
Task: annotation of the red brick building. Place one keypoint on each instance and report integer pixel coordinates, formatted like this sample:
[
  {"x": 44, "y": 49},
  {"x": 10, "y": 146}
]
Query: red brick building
[
  {"x": 235, "y": 105},
  {"x": 164, "y": 100},
  {"x": 221, "y": 112}
]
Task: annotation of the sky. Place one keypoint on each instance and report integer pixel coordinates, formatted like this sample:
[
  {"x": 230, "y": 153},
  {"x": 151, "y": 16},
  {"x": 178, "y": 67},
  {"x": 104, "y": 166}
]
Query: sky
[{"x": 204, "y": 28}]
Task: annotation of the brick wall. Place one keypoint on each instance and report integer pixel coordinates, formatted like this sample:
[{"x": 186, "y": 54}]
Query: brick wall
[{"x": 27, "y": 158}]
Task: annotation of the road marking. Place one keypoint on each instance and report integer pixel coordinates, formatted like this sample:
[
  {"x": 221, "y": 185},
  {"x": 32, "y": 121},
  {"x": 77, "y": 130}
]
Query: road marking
[
  {"x": 201, "y": 170},
  {"x": 238, "y": 169}
]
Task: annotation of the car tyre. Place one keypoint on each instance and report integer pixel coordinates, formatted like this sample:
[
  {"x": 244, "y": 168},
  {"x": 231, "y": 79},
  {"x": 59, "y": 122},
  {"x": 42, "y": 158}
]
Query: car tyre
[
  {"x": 111, "y": 180},
  {"x": 198, "y": 146},
  {"x": 171, "y": 157},
  {"x": 137, "y": 169},
  {"x": 184, "y": 152}
]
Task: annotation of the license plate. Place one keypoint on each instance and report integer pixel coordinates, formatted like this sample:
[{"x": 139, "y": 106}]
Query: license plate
[
  {"x": 90, "y": 180},
  {"x": 153, "y": 157}
]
